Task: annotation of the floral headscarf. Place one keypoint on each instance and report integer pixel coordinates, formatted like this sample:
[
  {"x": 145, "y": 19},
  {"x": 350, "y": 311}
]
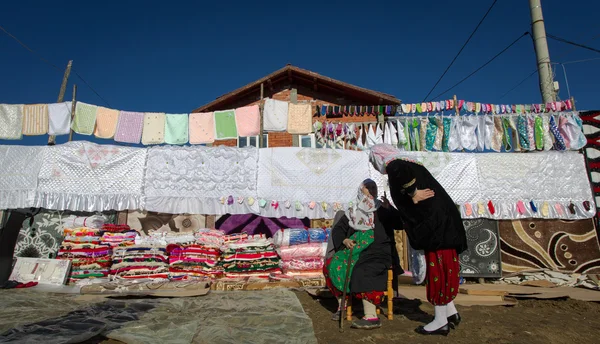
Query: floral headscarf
[
  {"x": 361, "y": 214},
  {"x": 382, "y": 154}
]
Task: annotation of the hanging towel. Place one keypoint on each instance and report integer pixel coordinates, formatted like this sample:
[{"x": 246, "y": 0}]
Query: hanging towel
[
  {"x": 394, "y": 133},
  {"x": 176, "y": 129},
  {"x": 562, "y": 127},
  {"x": 299, "y": 119},
  {"x": 387, "y": 133},
  {"x": 11, "y": 122},
  {"x": 455, "y": 142},
  {"x": 548, "y": 138},
  {"x": 579, "y": 140},
  {"x": 275, "y": 115},
  {"x": 431, "y": 132},
  {"x": 406, "y": 129},
  {"x": 522, "y": 130},
  {"x": 202, "y": 128},
  {"x": 481, "y": 131},
  {"x": 423, "y": 123},
  {"x": 497, "y": 134},
  {"x": 539, "y": 133},
  {"x": 439, "y": 136},
  {"x": 378, "y": 134},
  {"x": 225, "y": 127},
  {"x": 59, "y": 118},
  {"x": 468, "y": 138},
  {"x": 531, "y": 131},
  {"x": 129, "y": 127},
  {"x": 447, "y": 123},
  {"x": 106, "y": 123},
  {"x": 488, "y": 132},
  {"x": 507, "y": 137},
  {"x": 247, "y": 121},
  {"x": 35, "y": 119},
  {"x": 154, "y": 128},
  {"x": 85, "y": 118},
  {"x": 371, "y": 137}
]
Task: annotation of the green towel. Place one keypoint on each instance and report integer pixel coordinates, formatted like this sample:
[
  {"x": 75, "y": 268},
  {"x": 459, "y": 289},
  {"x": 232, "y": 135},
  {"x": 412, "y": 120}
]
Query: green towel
[
  {"x": 176, "y": 129},
  {"x": 85, "y": 118},
  {"x": 225, "y": 126}
]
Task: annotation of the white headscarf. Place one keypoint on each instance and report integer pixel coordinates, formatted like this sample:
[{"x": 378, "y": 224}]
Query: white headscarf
[
  {"x": 382, "y": 154},
  {"x": 361, "y": 214}
]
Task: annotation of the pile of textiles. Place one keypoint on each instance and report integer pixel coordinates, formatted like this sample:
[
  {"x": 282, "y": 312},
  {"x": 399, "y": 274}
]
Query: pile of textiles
[
  {"x": 140, "y": 262},
  {"x": 118, "y": 235},
  {"x": 248, "y": 256},
  {"x": 90, "y": 258},
  {"x": 199, "y": 259},
  {"x": 165, "y": 238},
  {"x": 302, "y": 252}
]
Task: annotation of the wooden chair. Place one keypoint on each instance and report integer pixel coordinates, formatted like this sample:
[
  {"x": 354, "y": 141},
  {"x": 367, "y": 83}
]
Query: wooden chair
[{"x": 389, "y": 293}]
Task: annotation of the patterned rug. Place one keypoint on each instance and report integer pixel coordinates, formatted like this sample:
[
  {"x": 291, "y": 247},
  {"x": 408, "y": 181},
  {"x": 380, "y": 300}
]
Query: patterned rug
[
  {"x": 482, "y": 258},
  {"x": 146, "y": 222},
  {"x": 591, "y": 129},
  {"x": 568, "y": 246}
]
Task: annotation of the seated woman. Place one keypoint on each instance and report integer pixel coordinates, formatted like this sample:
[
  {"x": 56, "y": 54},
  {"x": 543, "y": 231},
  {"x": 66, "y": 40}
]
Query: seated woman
[{"x": 368, "y": 228}]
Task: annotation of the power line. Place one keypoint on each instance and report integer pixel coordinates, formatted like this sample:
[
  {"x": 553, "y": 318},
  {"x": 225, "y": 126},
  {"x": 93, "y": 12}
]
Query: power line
[
  {"x": 51, "y": 64},
  {"x": 572, "y": 43},
  {"x": 460, "y": 51},
  {"x": 483, "y": 66}
]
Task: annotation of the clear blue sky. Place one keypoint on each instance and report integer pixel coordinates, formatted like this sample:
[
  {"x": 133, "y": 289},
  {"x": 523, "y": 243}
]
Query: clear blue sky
[{"x": 173, "y": 57}]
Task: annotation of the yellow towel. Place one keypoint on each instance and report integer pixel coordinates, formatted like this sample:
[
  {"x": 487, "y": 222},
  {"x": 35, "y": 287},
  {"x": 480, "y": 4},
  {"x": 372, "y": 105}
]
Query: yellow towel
[
  {"x": 106, "y": 123},
  {"x": 299, "y": 119},
  {"x": 35, "y": 119},
  {"x": 154, "y": 129}
]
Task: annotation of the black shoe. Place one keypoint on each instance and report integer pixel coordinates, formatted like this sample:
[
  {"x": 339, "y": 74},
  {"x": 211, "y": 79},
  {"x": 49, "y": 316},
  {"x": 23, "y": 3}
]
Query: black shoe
[
  {"x": 454, "y": 320},
  {"x": 364, "y": 324},
  {"x": 336, "y": 316},
  {"x": 443, "y": 331}
]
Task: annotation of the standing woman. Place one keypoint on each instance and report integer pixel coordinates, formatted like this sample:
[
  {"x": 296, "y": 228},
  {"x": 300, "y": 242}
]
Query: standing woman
[{"x": 433, "y": 224}]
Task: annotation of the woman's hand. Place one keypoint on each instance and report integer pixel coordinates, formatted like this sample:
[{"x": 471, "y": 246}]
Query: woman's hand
[
  {"x": 349, "y": 243},
  {"x": 421, "y": 195},
  {"x": 385, "y": 202}
]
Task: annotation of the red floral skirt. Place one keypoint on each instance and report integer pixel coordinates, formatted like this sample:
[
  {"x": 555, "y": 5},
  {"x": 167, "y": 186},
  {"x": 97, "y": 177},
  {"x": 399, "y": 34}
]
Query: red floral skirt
[{"x": 443, "y": 276}]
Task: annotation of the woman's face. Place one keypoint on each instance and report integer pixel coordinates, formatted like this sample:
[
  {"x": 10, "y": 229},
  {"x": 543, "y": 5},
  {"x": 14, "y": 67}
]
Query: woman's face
[{"x": 365, "y": 191}]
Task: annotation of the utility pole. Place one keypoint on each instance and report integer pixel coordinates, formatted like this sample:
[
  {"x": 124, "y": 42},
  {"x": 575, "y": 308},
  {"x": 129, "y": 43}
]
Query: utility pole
[
  {"x": 61, "y": 95},
  {"x": 541, "y": 51}
]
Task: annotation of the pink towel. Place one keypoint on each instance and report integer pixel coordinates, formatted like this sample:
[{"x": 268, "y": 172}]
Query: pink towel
[
  {"x": 129, "y": 127},
  {"x": 202, "y": 128},
  {"x": 248, "y": 120},
  {"x": 106, "y": 122}
]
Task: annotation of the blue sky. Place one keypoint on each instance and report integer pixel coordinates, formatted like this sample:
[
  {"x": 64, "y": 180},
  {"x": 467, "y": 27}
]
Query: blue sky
[{"x": 174, "y": 56}]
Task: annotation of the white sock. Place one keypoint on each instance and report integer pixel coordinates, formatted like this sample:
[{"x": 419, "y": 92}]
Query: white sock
[
  {"x": 451, "y": 310},
  {"x": 370, "y": 310},
  {"x": 440, "y": 319},
  {"x": 339, "y": 300}
]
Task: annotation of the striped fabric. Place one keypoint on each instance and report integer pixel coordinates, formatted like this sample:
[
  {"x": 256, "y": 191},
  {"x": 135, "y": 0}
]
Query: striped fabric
[
  {"x": 106, "y": 123},
  {"x": 35, "y": 119},
  {"x": 85, "y": 118}
]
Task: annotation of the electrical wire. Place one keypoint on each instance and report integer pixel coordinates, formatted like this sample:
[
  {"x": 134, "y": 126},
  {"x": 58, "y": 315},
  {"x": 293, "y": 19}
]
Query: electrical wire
[
  {"x": 483, "y": 66},
  {"x": 572, "y": 43},
  {"x": 461, "y": 49}
]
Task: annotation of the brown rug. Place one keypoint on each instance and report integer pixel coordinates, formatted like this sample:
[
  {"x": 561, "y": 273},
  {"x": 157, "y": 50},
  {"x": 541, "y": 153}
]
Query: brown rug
[{"x": 568, "y": 246}]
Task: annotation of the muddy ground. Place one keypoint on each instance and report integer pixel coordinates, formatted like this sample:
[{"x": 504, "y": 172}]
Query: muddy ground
[{"x": 530, "y": 321}]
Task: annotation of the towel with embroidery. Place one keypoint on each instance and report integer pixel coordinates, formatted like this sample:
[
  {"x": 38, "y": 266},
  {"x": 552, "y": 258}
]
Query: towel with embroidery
[
  {"x": 202, "y": 128},
  {"x": 176, "y": 129},
  {"x": 11, "y": 122},
  {"x": 85, "y": 118},
  {"x": 129, "y": 127},
  {"x": 59, "y": 118},
  {"x": 154, "y": 128},
  {"x": 225, "y": 127},
  {"x": 299, "y": 119},
  {"x": 247, "y": 120},
  {"x": 275, "y": 115},
  {"x": 35, "y": 119},
  {"x": 106, "y": 123}
]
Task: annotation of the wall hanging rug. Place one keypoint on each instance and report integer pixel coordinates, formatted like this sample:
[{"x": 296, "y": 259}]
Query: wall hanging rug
[
  {"x": 85, "y": 176},
  {"x": 482, "y": 258},
  {"x": 19, "y": 175},
  {"x": 59, "y": 118},
  {"x": 201, "y": 180},
  {"x": 567, "y": 246},
  {"x": 253, "y": 224},
  {"x": 11, "y": 122},
  {"x": 591, "y": 129},
  {"x": 551, "y": 185},
  {"x": 35, "y": 119},
  {"x": 311, "y": 180},
  {"x": 146, "y": 222}
]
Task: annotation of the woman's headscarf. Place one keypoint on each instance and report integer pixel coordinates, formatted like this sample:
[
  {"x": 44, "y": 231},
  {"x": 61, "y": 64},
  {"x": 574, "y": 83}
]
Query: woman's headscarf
[
  {"x": 382, "y": 154},
  {"x": 361, "y": 215}
]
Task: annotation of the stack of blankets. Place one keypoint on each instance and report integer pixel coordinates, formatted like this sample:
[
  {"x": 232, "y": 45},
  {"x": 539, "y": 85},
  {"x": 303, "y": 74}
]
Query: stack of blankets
[
  {"x": 248, "y": 256},
  {"x": 140, "y": 262},
  {"x": 118, "y": 235},
  {"x": 199, "y": 259},
  {"x": 302, "y": 252},
  {"x": 90, "y": 258}
]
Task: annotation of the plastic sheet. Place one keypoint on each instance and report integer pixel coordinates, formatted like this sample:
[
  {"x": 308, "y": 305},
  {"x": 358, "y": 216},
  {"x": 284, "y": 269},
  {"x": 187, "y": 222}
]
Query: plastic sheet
[
  {"x": 297, "y": 236},
  {"x": 302, "y": 251},
  {"x": 268, "y": 316}
]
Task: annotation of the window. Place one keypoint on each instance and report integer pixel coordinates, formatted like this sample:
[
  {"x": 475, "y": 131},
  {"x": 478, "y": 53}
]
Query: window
[
  {"x": 246, "y": 141},
  {"x": 307, "y": 141}
]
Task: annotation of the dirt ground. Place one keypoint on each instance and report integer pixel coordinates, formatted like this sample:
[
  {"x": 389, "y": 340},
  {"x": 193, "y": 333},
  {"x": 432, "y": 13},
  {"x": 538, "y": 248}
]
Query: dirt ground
[{"x": 530, "y": 321}]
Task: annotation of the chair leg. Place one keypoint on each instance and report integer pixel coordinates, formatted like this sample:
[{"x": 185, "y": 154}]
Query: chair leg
[
  {"x": 349, "y": 308},
  {"x": 390, "y": 295}
]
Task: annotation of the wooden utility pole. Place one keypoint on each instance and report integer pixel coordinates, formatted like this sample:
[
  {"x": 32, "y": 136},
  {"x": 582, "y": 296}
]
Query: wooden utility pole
[
  {"x": 61, "y": 95},
  {"x": 73, "y": 101},
  {"x": 261, "y": 108},
  {"x": 538, "y": 30},
  {"x": 456, "y": 106}
]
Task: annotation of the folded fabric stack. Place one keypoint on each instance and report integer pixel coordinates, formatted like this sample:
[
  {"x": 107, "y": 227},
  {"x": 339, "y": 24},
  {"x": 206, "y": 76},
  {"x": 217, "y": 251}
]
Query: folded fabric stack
[
  {"x": 140, "y": 262},
  {"x": 90, "y": 258},
  {"x": 165, "y": 238},
  {"x": 253, "y": 256},
  {"x": 118, "y": 235},
  {"x": 302, "y": 252},
  {"x": 188, "y": 261}
]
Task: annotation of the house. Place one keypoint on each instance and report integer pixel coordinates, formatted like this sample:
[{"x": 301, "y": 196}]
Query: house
[{"x": 294, "y": 84}]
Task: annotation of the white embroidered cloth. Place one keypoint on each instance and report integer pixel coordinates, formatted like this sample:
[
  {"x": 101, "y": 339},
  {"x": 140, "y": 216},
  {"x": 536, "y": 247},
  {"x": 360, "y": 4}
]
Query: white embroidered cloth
[
  {"x": 199, "y": 180},
  {"x": 275, "y": 115},
  {"x": 85, "y": 176},
  {"x": 308, "y": 175},
  {"x": 11, "y": 122},
  {"x": 19, "y": 175}
]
